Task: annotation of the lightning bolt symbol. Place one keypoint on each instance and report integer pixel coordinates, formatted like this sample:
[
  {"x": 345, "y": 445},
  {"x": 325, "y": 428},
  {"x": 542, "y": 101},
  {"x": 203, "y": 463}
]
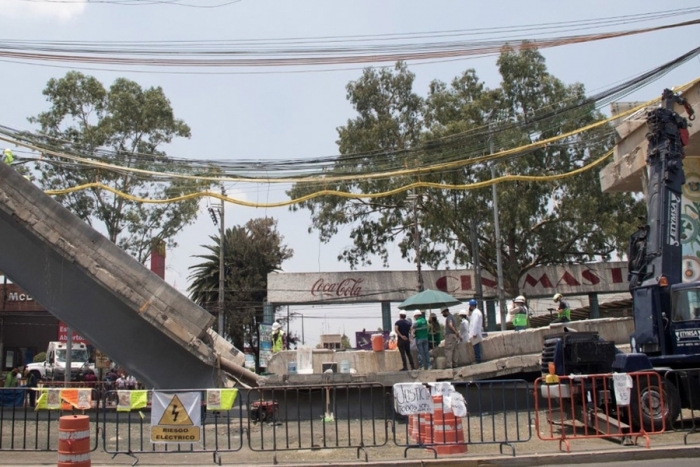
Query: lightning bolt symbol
[{"x": 175, "y": 412}]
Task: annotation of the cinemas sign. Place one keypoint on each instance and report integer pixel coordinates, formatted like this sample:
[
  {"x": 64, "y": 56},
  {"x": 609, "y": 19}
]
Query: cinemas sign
[{"x": 377, "y": 286}]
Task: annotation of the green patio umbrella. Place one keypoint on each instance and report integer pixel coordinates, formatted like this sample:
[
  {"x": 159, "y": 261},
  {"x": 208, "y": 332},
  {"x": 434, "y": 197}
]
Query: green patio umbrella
[{"x": 428, "y": 299}]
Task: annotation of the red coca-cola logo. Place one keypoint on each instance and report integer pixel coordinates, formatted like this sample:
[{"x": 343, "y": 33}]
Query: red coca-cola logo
[{"x": 345, "y": 288}]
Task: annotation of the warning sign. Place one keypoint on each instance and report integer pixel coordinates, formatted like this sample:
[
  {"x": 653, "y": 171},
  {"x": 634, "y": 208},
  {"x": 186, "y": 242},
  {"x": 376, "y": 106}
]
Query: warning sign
[{"x": 176, "y": 417}]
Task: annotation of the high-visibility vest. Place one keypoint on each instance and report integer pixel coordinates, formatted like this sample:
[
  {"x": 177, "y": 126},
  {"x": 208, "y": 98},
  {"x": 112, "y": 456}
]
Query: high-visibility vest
[
  {"x": 277, "y": 342},
  {"x": 520, "y": 320},
  {"x": 565, "y": 312},
  {"x": 8, "y": 157}
]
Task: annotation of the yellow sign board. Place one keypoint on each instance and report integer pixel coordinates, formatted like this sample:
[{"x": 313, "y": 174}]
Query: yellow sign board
[
  {"x": 175, "y": 414},
  {"x": 175, "y": 434},
  {"x": 172, "y": 421}
]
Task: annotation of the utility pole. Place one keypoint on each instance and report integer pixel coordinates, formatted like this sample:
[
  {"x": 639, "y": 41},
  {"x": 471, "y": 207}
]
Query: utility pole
[
  {"x": 416, "y": 237},
  {"x": 222, "y": 267},
  {"x": 497, "y": 228},
  {"x": 69, "y": 357},
  {"x": 477, "y": 262}
]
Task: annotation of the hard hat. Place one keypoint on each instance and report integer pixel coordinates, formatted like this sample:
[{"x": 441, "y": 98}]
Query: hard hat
[
  {"x": 392, "y": 334},
  {"x": 276, "y": 326},
  {"x": 519, "y": 299},
  {"x": 417, "y": 313},
  {"x": 472, "y": 302},
  {"x": 463, "y": 313},
  {"x": 556, "y": 297},
  {"x": 445, "y": 309},
  {"x": 402, "y": 313}
]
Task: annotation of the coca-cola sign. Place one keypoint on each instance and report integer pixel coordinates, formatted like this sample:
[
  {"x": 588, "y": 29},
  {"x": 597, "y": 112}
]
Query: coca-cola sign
[
  {"x": 396, "y": 286},
  {"x": 350, "y": 287}
]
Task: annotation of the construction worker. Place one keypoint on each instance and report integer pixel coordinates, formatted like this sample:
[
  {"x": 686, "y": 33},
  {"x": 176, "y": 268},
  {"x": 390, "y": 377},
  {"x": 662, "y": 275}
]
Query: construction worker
[
  {"x": 8, "y": 157},
  {"x": 277, "y": 337},
  {"x": 563, "y": 311},
  {"x": 476, "y": 329},
  {"x": 519, "y": 313}
]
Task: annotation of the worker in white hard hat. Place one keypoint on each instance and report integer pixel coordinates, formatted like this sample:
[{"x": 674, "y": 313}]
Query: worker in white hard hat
[
  {"x": 464, "y": 325},
  {"x": 420, "y": 334},
  {"x": 563, "y": 311},
  {"x": 518, "y": 311},
  {"x": 277, "y": 337}
]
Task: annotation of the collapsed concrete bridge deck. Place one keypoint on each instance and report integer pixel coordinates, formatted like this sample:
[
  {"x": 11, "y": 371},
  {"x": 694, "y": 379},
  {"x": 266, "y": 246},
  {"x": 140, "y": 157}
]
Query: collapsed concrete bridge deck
[{"x": 99, "y": 290}]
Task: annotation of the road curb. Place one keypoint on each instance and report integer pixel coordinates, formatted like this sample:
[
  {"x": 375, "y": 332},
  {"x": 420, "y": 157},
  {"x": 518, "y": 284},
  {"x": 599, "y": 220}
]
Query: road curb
[{"x": 587, "y": 457}]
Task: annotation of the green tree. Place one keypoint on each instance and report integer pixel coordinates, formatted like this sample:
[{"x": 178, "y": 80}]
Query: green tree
[
  {"x": 566, "y": 221},
  {"x": 251, "y": 252},
  {"x": 345, "y": 342},
  {"x": 125, "y": 125}
]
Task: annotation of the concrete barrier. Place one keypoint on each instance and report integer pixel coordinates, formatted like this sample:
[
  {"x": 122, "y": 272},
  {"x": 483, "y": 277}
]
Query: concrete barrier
[{"x": 496, "y": 346}]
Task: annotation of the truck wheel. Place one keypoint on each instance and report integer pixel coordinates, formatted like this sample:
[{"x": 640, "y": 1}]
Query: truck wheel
[
  {"x": 647, "y": 411},
  {"x": 37, "y": 375}
]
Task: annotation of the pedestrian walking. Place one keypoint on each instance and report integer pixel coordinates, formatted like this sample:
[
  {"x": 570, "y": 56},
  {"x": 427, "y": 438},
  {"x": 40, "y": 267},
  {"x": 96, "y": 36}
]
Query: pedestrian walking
[
  {"x": 402, "y": 327},
  {"x": 451, "y": 338},
  {"x": 31, "y": 384}
]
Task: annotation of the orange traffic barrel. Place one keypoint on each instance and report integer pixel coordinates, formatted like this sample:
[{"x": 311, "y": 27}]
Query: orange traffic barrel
[
  {"x": 74, "y": 441},
  {"x": 377, "y": 342},
  {"x": 446, "y": 431}
]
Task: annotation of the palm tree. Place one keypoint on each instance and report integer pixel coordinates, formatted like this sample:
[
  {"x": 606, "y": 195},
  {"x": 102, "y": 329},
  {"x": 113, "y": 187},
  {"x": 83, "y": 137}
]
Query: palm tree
[{"x": 251, "y": 252}]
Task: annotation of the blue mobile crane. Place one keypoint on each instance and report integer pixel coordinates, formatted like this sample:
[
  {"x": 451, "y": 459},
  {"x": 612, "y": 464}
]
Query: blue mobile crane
[{"x": 666, "y": 310}]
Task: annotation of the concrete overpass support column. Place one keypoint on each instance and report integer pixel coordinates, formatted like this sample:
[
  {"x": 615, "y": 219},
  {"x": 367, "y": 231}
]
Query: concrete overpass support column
[
  {"x": 594, "y": 309},
  {"x": 386, "y": 316},
  {"x": 491, "y": 316}
]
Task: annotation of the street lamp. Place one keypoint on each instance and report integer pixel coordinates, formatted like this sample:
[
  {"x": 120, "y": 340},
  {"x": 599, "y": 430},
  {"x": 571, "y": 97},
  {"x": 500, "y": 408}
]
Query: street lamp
[
  {"x": 295, "y": 313},
  {"x": 416, "y": 237}
]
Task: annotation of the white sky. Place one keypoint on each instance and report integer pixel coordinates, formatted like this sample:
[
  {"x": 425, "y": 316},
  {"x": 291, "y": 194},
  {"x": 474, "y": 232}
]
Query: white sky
[{"x": 277, "y": 115}]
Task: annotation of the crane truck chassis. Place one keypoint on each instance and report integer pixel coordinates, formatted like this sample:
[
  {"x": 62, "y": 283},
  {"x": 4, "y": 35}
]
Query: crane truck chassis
[{"x": 666, "y": 339}]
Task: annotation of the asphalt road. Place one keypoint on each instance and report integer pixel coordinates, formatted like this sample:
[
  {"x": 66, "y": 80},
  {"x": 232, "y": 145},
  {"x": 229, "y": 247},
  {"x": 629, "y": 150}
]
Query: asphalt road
[{"x": 650, "y": 463}]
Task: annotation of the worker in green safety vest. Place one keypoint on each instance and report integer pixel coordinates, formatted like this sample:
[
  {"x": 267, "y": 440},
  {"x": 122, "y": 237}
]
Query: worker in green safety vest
[
  {"x": 563, "y": 311},
  {"x": 7, "y": 156},
  {"x": 519, "y": 313},
  {"x": 277, "y": 337}
]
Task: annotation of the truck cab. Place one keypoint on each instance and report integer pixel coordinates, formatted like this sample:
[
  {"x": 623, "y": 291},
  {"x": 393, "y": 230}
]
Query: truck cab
[
  {"x": 684, "y": 324},
  {"x": 54, "y": 366}
]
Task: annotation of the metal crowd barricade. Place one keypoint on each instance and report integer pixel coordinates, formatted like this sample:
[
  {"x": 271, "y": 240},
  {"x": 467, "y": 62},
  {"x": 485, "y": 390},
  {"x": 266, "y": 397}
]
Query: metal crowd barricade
[
  {"x": 23, "y": 428},
  {"x": 324, "y": 416},
  {"x": 98, "y": 387},
  {"x": 585, "y": 406},
  {"x": 498, "y": 412},
  {"x": 687, "y": 383},
  {"x": 129, "y": 432}
]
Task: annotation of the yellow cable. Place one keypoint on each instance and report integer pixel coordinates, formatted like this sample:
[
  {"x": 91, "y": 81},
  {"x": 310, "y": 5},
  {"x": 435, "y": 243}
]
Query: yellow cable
[
  {"x": 327, "y": 179},
  {"x": 341, "y": 194}
]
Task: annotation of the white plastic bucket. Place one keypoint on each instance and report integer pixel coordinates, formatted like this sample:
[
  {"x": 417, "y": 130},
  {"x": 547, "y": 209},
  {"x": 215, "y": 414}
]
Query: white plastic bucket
[{"x": 345, "y": 366}]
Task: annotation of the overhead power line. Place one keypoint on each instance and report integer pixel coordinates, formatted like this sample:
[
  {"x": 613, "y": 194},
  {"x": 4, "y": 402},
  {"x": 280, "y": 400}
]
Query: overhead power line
[
  {"x": 446, "y": 153},
  {"x": 247, "y": 55},
  {"x": 206, "y": 4}
]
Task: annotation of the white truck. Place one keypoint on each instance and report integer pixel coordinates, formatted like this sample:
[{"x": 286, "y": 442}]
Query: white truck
[{"x": 54, "y": 366}]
